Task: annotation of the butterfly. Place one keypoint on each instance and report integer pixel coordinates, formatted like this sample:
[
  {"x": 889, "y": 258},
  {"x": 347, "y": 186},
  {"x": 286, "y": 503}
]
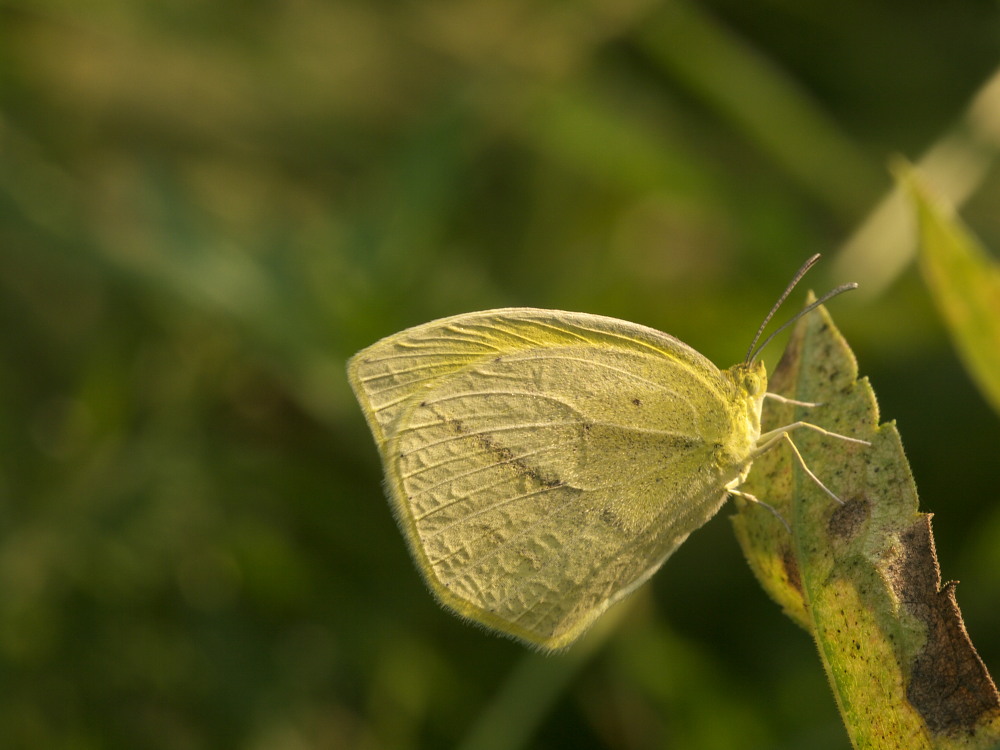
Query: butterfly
[{"x": 543, "y": 464}]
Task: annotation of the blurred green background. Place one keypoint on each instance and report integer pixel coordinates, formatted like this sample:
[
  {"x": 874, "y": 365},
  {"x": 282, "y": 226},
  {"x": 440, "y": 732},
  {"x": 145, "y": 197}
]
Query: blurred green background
[{"x": 205, "y": 208}]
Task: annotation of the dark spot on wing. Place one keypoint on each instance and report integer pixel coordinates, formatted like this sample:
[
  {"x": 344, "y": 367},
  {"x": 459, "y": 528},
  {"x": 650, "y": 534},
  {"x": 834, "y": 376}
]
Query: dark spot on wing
[
  {"x": 637, "y": 402},
  {"x": 505, "y": 455},
  {"x": 611, "y": 518}
]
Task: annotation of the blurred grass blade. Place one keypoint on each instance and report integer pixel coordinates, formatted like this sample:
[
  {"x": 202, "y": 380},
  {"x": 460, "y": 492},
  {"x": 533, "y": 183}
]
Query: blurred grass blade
[
  {"x": 863, "y": 577},
  {"x": 761, "y": 100},
  {"x": 965, "y": 284},
  {"x": 510, "y": 720}
]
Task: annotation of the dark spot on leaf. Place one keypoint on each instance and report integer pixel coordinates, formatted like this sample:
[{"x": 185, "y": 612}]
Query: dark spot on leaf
[
  {"x": 846, "y": 521},
  {"x": 791, "y": 567},
  {"x": 948, "y": 683}
]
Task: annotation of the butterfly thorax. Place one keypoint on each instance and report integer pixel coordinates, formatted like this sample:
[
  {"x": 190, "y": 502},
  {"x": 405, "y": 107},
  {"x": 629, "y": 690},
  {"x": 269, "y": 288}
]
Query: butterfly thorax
[{"x": 750, "y": 384}]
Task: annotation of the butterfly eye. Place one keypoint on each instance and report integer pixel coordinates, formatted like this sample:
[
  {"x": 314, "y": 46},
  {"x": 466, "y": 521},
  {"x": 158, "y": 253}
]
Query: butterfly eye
[{"x": 752, "y": 382}]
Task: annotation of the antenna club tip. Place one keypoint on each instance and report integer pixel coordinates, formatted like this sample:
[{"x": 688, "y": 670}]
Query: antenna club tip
[{"x": 849, "y": 286}]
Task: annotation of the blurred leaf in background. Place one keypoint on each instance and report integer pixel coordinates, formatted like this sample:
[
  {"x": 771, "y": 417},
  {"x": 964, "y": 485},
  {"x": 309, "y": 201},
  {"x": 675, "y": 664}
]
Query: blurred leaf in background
[
  {"x": 965, "y": 284},
  {"x": 206, "y": 208}
]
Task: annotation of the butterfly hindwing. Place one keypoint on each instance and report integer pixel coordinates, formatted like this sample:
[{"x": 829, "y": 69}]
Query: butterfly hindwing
[{"x": 542, "y": 464}]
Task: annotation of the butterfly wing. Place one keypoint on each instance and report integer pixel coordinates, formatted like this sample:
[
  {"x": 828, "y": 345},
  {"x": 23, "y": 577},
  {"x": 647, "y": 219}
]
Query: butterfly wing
[{"x": 542, "y": 464}]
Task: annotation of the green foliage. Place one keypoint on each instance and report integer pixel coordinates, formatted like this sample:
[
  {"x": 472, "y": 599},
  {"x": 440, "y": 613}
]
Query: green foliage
[{"x": 205, "y": 208}]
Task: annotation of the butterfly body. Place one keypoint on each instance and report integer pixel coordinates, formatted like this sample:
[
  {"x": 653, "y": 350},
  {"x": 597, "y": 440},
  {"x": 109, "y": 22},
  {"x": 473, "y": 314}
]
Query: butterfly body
[{"x": 543, "y": 464}]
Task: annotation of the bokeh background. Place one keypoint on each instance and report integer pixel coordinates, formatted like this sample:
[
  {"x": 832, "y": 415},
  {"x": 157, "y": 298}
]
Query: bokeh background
[{"x": 205, "y": 208}]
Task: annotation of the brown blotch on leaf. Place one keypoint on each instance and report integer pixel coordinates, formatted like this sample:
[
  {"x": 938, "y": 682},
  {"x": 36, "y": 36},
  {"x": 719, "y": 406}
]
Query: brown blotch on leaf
[
  {"x": 791, "y": 567},
  {"x": 847, "y": 519},
  {"x": 948, "y": 683}
]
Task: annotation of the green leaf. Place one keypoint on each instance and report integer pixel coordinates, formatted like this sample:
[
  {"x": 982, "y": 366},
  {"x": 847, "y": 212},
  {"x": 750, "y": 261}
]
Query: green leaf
[
  {"x": 862, "y": 577},
  {"x": 964, "y": 282}
]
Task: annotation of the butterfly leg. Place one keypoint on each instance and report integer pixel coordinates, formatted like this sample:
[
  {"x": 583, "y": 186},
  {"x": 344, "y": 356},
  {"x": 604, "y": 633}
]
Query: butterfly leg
[
  {"x": 791, "y": 401},
  {"x": 771, "y": 439},
  {"x": 754, "y": 499}
]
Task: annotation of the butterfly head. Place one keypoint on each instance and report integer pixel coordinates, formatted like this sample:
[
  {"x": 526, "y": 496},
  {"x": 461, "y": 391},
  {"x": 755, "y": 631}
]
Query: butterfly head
[
  {"x": 750, "y": 376},
  {"x": 752, "y": 379}
]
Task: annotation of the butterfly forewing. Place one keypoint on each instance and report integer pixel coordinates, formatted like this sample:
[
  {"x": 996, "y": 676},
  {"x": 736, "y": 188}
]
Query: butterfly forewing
[{"x": 541, "y": 463}]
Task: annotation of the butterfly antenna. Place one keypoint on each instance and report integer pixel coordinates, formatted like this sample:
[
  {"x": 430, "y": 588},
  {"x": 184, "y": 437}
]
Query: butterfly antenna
[
  {"x": 805, "y": 311},
  {"x": 788, "y": 290}
]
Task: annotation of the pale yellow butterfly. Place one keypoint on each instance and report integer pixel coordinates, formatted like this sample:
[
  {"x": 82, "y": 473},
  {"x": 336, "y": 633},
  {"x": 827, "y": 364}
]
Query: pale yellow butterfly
[{"x": 543, "y": 464}]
